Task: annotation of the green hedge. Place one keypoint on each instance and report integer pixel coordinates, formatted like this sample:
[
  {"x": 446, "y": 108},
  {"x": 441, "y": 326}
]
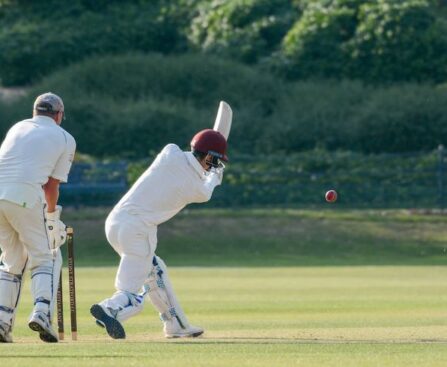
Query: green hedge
[
  {"x": 130, "y": 106},
  {"x": 301, "y": 179},
  {"x": 404, "y": 118},
  {"x": 351, "y": 116}
]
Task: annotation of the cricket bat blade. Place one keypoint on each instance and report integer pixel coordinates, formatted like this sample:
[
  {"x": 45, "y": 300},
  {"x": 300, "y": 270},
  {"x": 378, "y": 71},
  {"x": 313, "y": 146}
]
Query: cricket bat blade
[{"x": 223, "y": 119}]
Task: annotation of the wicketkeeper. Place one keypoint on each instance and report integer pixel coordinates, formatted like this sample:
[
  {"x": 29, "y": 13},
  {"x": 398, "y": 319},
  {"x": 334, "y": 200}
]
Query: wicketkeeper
[
  {"x": 35, "y": 157},
  {"x": 173, "y": 180}
]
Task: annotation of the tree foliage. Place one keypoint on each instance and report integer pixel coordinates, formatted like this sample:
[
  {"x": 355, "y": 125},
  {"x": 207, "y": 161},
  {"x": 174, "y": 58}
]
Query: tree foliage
[
  {"x": 315, "y": 44},
  {"x": 399, "y": 41},
  {"x": 247, "y": 30},
  {"x": 377, "y": 41}
]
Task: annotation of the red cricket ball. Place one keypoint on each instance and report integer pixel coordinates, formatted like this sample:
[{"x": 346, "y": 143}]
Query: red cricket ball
[{"x": 331, "y": 196}]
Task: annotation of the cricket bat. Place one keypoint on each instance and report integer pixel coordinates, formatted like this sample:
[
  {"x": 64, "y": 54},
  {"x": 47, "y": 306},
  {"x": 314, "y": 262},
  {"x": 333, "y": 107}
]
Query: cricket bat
[{"x": 223, "y": 119}]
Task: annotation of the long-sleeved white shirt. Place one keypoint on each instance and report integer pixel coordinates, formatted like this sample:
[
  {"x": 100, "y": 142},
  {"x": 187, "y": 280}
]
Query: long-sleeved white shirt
[{"x": 174, "y": 180}]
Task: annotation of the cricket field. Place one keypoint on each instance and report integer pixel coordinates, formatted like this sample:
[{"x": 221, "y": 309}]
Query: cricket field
[
  {"x": 281, "y": 316},
  {"x": 305, "y": 288}
]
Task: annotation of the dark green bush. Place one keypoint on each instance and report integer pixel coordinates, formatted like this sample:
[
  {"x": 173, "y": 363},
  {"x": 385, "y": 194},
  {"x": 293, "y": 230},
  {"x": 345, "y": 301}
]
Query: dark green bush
[
  {"x": 37, "y": 42},
  {"x": 316, "y": 114},
  {"x": 131, "y": 105},
  {"x": 407, "y": 118},
  {"x": 351, "y": 116}
]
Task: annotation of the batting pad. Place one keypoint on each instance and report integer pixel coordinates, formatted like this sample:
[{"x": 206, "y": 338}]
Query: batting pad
[
  {"x": 123, "y": 305},
  {"x": 159, "y": 289}
]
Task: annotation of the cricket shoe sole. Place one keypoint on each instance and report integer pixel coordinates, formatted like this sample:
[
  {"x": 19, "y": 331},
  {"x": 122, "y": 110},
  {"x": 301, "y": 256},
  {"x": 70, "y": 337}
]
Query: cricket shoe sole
[
  {"x": 100, "y": 324},
  {"x": 40, "y": 323},
  {"x": 186, "y": 334},
  {"x": 113, "y": 326}
]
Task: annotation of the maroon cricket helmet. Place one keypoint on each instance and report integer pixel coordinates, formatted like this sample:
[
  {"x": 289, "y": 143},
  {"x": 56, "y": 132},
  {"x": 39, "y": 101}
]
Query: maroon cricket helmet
[{"x": 211, "y": 142}]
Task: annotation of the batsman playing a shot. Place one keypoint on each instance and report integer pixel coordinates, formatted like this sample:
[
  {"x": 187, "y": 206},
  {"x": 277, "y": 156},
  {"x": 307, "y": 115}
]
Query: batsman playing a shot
[
  {"x": 35, "y": 157},
  {"x": 173, "y": 180}
]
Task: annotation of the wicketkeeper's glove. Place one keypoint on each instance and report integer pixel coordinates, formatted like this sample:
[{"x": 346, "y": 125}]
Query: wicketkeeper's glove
[{"x": 56, "y": 229}]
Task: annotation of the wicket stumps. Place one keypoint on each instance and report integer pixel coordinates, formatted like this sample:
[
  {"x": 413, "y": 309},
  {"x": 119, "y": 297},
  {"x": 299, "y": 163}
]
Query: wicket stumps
[{"x": 71, "y": 291}]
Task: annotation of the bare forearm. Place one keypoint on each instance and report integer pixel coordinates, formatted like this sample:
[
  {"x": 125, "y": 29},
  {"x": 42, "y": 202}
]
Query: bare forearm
[
  {"x": 51, "y": 189},
  {"x": 51, "y": 197}
]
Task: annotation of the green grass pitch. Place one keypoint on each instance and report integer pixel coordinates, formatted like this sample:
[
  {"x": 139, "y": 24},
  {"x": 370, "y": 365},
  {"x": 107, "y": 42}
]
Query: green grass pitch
[{"x": 278, "y": 316}]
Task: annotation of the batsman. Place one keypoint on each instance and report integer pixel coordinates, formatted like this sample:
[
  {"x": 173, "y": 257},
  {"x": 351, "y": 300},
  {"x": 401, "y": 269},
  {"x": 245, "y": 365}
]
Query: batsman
[
  {"x": 35, "y": 157},
  {"x": 175, "y": 179}
]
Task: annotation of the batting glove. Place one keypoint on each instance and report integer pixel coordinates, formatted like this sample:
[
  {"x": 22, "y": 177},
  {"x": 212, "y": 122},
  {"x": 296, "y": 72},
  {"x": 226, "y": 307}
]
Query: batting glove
[{"x": 56, "y": 229}]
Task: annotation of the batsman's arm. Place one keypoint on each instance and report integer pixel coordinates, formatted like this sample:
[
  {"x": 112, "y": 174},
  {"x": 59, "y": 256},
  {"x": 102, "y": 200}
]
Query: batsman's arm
[
  {"x": 59, "y": 173},
  {"x": 212, "y": 181},
  {"x": 51, "y": 190}
]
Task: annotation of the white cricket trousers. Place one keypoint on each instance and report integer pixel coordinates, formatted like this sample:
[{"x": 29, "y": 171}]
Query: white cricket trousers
[
  {"x": 135, "y": 242},
  {"x": 23, "y": 235}
]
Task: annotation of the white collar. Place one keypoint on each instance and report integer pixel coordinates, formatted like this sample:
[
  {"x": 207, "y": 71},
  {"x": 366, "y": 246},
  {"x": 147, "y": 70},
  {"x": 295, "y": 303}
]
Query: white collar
[
  {"x": 40, "y": 119},
  {"x": 192, "y": 160}
]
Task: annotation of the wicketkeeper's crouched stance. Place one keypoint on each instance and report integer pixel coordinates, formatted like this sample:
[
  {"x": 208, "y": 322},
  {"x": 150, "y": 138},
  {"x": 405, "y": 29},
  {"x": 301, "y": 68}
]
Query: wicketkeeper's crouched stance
[
  {"x": 174, "y": 179},
  {"x": 34, "y": 157}
]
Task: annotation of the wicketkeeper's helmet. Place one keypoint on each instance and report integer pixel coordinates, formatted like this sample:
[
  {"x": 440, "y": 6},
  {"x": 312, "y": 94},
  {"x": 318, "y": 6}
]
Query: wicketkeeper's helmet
[{"x": 210, "y": 142}]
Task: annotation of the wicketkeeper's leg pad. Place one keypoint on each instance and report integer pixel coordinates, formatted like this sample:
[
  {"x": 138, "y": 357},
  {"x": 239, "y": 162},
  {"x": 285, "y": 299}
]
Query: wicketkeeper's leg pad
[
  {"x": 44, "y": 284},
  {"x": 57, "y": 266},
  {"x": 159, "y": 289},
  {"x": 10, "y": 289}
]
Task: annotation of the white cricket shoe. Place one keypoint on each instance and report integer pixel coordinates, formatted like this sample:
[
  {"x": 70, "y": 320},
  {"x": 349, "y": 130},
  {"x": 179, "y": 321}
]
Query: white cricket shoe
[
  {"x": 5, "y": 335},
  {"x": 172, "y": 329},
  {"x": 39, "y": 322}
]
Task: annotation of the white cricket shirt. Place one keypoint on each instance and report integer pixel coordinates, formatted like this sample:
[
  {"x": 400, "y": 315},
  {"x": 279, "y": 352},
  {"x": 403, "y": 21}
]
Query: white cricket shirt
[
  {"x": 173, "y": 180},
  {"x": 33, "y": 150}
]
